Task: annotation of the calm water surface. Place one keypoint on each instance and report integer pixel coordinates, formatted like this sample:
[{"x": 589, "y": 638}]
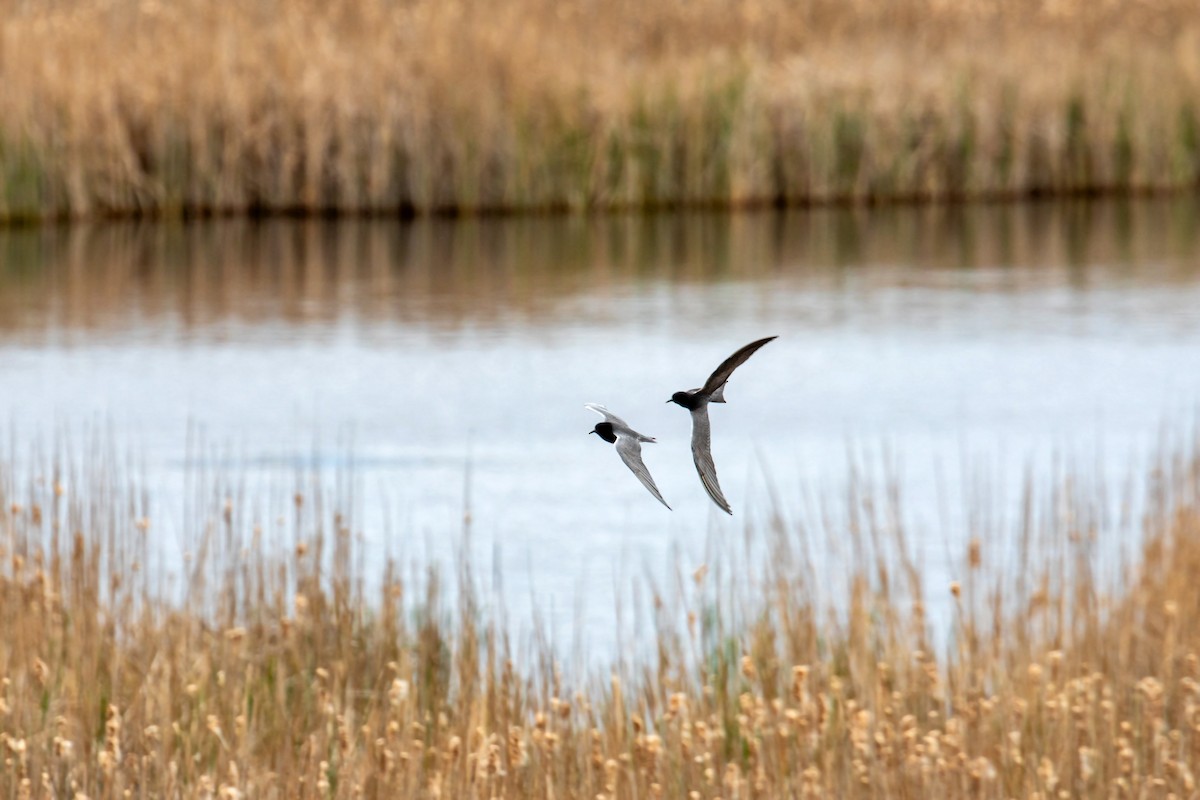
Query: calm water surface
[{"x": 450, "y": 361}]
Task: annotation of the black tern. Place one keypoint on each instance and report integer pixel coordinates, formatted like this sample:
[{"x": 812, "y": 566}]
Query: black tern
[
  {"x": 696, "y": 401},
  {"x": 629, "y": 445}
]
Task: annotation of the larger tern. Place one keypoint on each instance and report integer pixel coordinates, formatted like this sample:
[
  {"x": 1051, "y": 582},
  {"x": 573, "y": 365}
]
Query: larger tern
[
  {"x": 629, "y": 445},
  {"x": 696, "y": 401}
]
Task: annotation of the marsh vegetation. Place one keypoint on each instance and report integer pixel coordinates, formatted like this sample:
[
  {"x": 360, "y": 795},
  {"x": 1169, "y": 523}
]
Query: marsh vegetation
[
  {"x": 193, "y": 106},
  {"x": 285, "y": 664}
]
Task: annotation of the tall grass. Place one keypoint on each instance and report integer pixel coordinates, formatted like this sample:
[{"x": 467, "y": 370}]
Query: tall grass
[
  {"x": 198, "y": 106},
  {"x": 286, "y": 667}
]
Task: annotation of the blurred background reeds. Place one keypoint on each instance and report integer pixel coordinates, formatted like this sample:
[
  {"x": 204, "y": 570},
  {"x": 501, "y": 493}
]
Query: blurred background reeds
[{"x": 178, "y": 107}]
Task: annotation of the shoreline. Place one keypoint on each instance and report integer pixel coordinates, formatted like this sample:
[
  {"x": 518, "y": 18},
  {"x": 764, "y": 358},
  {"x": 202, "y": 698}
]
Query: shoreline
[{"x": 409, "y": 213}]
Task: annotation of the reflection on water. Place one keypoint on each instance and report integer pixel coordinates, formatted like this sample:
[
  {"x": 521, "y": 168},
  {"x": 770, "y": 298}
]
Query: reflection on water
[
  {"x": 987, "y": 340},
  {"x": 189, "y": 278}
]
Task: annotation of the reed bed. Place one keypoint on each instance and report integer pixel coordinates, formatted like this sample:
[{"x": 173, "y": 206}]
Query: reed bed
[
  {"x": 284, "y": 666},
  {"x": 180, "y": 107}
]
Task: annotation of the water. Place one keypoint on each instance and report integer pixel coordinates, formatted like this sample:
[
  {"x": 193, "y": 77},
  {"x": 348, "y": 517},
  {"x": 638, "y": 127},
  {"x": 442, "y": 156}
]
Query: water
[{"x": 450, "y": 360}]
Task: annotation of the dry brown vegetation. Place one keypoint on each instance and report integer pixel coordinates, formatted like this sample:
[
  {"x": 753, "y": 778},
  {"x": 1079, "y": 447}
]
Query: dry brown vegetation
[
  {"x": 193, "y": 106},
  {"x": 291, "y": 669}
]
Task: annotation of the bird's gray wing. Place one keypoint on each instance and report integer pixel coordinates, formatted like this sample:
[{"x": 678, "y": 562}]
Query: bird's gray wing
[
  {"x": 702, "y": 455},
  {"x": 630, "y": 451},
  {"x": 618, "y": 424},
  {"x": 722, "y": 373},
  {"x": 608, "y": 415}
]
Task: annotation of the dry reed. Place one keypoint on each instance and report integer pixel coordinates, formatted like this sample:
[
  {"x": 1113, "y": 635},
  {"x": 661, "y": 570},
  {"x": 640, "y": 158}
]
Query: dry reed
[
  {"x": 196, "y": 106},
  {"x": 283, "y": 673}
]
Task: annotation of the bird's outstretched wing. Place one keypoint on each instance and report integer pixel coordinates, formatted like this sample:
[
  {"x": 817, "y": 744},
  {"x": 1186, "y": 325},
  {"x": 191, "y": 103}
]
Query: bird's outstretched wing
[
  {"x": 722, "y": 373},
  {"x": 702, "y": 455},
  {"x": 608, "y": 415},
  {"x": 620, "y": 425},
  {"x": 630, "y": 451}
]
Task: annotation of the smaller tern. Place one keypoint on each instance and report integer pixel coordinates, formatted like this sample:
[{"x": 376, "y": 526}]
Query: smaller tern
[{"x": 629, "y": 445}]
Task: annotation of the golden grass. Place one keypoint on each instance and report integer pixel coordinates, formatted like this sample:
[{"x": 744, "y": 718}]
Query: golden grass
[
  {"x": 197, "y": 106},
  {"x": 1065, "y": 673}
]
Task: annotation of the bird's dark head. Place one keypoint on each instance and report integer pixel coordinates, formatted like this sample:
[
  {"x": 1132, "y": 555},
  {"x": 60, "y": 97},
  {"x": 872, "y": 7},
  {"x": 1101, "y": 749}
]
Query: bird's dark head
[
  {"x": 681, "y": 398},
  {"x": 605, "y": 431}
]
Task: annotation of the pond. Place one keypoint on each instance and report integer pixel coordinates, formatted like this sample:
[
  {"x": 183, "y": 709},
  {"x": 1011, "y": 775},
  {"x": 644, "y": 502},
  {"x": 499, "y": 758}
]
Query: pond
[{"x": 444, "y": 365}]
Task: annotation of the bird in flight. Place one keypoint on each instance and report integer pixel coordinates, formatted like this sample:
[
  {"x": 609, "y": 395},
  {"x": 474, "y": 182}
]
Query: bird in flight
[
  {"x": 629, "y": 445},
  {"x": 696, "y": 401}
]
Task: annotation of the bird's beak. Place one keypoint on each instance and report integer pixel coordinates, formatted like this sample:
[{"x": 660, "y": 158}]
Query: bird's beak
[
  {"x": 591, "y": 431},
  {"x": 669, "y": 399}
]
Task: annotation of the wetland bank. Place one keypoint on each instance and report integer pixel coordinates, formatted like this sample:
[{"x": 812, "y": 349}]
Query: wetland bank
[{"x": 145, "y": 107}]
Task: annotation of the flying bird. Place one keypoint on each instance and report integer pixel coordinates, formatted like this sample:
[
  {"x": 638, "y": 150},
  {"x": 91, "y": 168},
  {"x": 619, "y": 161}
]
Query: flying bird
[
  {"x": 696, "y": 401},
  {"x": 629, "y": 445}
]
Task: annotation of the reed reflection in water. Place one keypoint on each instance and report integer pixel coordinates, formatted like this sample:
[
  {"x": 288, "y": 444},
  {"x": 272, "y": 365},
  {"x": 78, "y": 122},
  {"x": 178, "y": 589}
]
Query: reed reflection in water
[{"x": 188, "y": 279}]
